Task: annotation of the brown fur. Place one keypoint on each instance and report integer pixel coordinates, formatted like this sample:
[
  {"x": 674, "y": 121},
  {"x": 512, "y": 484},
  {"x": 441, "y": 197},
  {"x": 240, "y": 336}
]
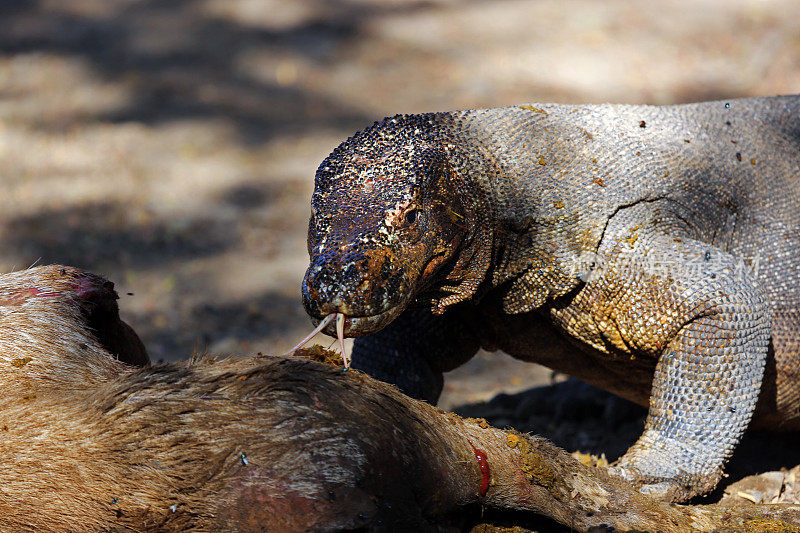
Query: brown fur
[{"x": 89, "y": 442}]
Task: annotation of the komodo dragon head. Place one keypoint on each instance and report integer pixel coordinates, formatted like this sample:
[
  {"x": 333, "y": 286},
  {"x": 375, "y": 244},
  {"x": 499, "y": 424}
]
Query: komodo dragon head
[{"x": 392, "y": 222}]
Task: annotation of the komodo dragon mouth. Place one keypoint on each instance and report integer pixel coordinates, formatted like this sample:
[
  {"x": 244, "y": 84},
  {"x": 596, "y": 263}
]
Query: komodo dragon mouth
[
  {"x": 358, "y": 326},
  {"x": 340, "y": 326}
]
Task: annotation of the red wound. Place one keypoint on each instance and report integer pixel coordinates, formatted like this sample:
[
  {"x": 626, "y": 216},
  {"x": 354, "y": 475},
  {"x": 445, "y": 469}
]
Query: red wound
[
  {"x": 483, "y": 464},
  {"x": 20, "y": 296}
]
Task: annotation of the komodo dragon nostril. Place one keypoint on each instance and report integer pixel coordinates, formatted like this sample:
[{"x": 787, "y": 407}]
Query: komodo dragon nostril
[{"x": 350, "y": 272}]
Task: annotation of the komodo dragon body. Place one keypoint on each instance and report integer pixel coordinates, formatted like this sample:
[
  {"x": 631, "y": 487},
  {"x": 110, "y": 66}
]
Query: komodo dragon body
[{"x": 652, "y": 251}]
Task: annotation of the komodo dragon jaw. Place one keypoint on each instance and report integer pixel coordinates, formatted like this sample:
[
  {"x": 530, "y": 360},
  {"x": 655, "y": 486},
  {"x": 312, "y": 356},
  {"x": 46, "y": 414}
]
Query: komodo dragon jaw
[{"x": 383, "y": 225}]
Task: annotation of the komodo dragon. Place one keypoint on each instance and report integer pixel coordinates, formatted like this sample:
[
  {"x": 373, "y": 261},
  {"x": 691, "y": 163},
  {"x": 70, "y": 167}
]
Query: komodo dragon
[{"x": 651, "y": 251}]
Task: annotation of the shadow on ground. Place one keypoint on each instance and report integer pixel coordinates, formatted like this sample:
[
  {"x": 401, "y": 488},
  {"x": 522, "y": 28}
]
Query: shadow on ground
[
  {"x": 184, "y": 63},
  {"x": 100, "y": 236}
]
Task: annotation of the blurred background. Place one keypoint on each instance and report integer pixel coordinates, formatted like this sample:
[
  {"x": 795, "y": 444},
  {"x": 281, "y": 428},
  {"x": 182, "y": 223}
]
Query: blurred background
[{"x": 171, "y": 145}]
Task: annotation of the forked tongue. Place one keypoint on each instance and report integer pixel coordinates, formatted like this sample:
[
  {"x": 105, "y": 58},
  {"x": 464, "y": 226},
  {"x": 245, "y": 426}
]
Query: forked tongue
[
  {"x": 339, "y": 333},
  {"x": 324, "y": 322}
]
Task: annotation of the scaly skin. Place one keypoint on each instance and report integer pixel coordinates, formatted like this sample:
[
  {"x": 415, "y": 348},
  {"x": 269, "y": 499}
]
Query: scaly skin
[{"x": 652, "y": 251}]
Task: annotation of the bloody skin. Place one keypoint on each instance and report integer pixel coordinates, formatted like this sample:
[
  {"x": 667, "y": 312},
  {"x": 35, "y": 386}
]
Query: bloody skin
[{"x": 483, "y": 464}]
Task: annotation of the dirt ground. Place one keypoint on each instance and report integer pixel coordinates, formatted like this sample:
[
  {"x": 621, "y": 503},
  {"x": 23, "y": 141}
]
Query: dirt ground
[{"x": 171, "y": 144}]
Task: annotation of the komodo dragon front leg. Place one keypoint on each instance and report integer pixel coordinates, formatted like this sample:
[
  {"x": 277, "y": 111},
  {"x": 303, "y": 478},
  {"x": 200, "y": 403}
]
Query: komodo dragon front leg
[{"x": 692, "y": 307}]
